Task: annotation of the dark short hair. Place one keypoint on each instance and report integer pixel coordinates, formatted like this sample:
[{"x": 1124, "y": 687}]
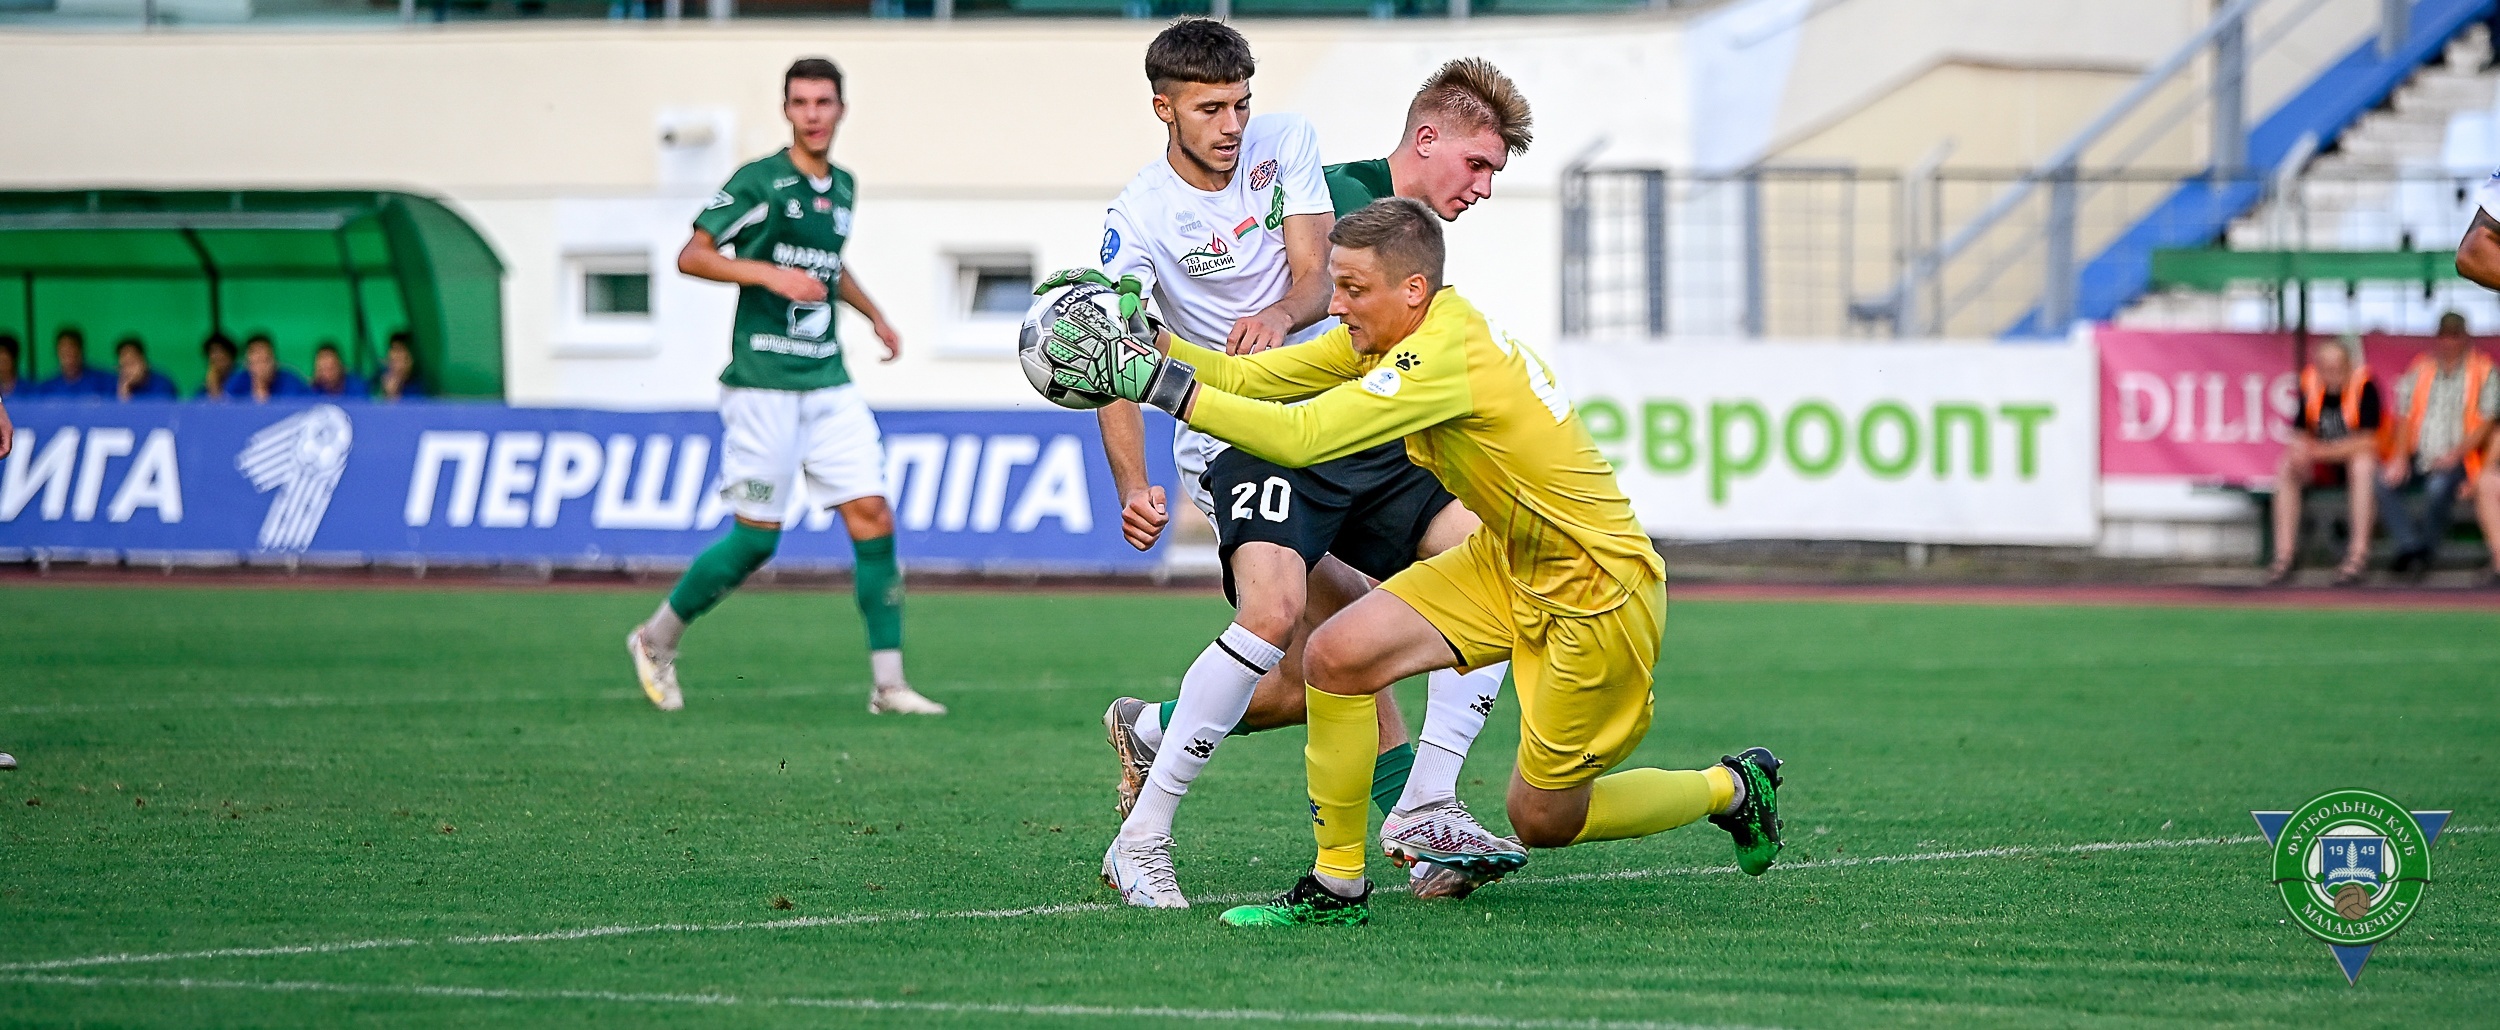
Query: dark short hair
[
  {"x": 2453, "y": 322},
  {"x": 71, "y": 333},
  {"x": 217, "y": 342},
  {"x": 331, "y": 349},
  {"x": 1405, "y": 233},
  {"x": 812, "y": 68},
  {"x": 260, "y": 339},
  {"x": 130, "y": 342},
  {"x": 8, "y": 344},
  {"x": 1198, "y": 50},
  {"x": 402, "y": 338}
]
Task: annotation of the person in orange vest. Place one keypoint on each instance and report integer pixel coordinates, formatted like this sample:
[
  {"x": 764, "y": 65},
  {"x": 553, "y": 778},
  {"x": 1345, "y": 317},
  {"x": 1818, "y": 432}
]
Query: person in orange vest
[
  {"x": 2336, "y": 437},
  {"x": 2445, "y": 405}
]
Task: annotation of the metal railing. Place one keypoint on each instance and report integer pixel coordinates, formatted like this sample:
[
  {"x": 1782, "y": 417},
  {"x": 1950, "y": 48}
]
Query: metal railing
[{"x": 1818, "y": 251}]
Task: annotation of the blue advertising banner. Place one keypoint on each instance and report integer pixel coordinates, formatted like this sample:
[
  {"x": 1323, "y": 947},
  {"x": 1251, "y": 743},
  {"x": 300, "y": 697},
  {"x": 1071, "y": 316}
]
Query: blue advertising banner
[{"x": 459, "y": 482}]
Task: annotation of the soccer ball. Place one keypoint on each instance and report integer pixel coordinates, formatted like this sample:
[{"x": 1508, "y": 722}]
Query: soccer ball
[{"x": 1036, "y": 361}]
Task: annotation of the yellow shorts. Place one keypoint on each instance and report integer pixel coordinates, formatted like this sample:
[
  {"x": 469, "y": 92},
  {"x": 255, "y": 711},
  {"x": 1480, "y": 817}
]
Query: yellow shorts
[{"x": 1584, "y": 698}]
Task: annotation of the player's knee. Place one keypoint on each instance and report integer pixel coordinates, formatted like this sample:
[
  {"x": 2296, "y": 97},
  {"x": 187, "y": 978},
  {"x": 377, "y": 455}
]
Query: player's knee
[
  {"x": 1272, "y": 618},
  {"x": 868, "y": 518},
  {"x": 1335, "y": 661}
]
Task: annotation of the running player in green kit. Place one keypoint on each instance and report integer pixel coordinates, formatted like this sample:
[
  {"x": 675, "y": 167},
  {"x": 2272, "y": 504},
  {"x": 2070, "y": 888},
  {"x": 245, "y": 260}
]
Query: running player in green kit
[{"x": 787, "y": 403}]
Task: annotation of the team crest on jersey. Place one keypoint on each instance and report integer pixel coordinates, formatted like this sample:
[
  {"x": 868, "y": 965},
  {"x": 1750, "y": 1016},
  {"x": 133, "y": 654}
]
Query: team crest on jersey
[
  {"x": 1262, "y": 175},
  {"x": 811, "y": 320},
  {"x": 792, "y": 209},
  {"x": 1216, "y": 256}
]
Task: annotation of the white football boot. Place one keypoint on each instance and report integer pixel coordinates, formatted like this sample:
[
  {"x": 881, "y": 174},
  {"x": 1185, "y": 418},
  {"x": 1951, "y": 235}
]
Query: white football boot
[
  {"x": 1141, "y": 870},
  {"x": 901, "y": 699},
  {"x": 657, "y": 671},
  {"x": 1445, "y": 833}
]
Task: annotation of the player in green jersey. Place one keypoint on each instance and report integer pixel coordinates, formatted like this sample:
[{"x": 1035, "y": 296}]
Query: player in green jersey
[{"x": 787, "y": 403}]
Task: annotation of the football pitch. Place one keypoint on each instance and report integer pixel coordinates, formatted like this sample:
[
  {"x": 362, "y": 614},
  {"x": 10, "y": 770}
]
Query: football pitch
[{"x": 321, "y": 807}]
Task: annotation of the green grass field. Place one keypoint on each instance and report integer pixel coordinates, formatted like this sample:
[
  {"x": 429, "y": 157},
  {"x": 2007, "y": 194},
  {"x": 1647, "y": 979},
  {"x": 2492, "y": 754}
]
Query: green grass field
[{"x": 317, "y": 807}]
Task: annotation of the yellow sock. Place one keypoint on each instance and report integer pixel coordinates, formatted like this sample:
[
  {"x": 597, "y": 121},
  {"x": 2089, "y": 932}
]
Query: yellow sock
[
  {"x": 1337, "y": 760},
  {"x": 1640, "y": 802}
]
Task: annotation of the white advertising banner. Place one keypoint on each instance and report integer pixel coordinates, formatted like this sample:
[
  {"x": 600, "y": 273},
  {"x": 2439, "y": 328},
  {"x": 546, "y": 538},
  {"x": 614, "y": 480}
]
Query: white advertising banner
[{"x": 1934, "y": 443}]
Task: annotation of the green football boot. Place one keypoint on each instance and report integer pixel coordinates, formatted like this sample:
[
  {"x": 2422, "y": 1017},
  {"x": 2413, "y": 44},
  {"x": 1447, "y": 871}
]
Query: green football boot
[
  {"x": 1309, "y": 903},
  {"x": 1756, "y": 823}
]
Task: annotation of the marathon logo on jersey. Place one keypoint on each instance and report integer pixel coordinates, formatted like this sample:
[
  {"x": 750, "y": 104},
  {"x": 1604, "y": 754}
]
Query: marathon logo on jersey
[
  {"x": 1216, "y": 256},
  {"x": 824, "y": 262},
  {"x": 1262, "y": 175},
  {"x": 824, "y": 204}
]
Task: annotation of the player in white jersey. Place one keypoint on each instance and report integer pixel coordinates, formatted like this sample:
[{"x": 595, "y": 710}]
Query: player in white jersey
[{"x": 1229, "y": 228}]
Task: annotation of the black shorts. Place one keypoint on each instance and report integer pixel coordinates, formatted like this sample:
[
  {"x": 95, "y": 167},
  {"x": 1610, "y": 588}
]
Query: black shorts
[{"x": 1370, "y": 508}]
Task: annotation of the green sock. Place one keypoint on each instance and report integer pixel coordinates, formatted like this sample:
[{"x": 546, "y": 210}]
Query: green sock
[
  {"x": 879, "y": 583},
  {"x": 720, "y": 568},
  {"x": 1389, "y": 776}
]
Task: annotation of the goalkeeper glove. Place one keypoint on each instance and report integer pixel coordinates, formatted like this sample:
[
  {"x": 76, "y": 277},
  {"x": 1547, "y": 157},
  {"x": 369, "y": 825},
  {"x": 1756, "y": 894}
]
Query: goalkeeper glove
[
  {"x": 1121, "y": 364},
  {"x": 1132, "y": 292}
]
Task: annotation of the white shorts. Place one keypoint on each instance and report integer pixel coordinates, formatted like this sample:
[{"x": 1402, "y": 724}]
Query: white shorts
[
  {"x": 769, "y": 438},
  {"x": 1191, "y": 452}
]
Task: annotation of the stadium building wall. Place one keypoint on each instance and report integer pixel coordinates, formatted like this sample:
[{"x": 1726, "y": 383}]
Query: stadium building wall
[{"x": 984, "y": 142}]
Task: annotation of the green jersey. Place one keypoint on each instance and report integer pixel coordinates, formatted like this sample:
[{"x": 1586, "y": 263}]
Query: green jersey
[
  {"x": 1356, "y": 183},
  {"x": 769, "y": 211}
]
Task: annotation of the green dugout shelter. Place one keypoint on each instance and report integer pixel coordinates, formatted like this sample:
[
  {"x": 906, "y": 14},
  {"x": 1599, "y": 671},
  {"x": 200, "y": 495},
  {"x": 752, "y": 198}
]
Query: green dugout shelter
[{"x": 170, "y": 267}]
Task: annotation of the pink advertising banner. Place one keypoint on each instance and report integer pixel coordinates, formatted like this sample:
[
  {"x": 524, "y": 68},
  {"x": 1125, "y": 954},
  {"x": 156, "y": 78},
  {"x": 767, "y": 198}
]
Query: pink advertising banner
[{"x": 2215, "y": 407}]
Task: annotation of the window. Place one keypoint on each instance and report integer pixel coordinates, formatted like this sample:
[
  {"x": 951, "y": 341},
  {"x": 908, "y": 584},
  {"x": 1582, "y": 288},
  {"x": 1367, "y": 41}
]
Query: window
[
  {"x": 1002, "y": 292},
  {"x": 616, "y": 293},
  {"x": 994, "y": 286}
]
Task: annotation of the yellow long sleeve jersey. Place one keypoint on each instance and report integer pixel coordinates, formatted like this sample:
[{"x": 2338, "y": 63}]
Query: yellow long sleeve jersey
[{"x": 1478, "y": 410}]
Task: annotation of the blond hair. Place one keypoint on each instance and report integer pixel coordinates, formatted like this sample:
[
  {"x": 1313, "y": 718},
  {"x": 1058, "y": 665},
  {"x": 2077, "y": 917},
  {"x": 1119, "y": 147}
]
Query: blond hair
[{"x": 1473, "y": 96}]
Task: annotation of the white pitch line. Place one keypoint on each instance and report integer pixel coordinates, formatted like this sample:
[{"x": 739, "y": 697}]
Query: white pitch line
[
  {"x": 867, "y": 918},
  {"x": 1471, "y": 1022}
]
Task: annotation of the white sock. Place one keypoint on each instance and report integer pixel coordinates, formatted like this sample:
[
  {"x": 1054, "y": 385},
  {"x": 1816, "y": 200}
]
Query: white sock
[
  {"x": 886, "y": 668},
  {"x": 1150, "y": 726},
  {"x": 664, "y": 629},
  {"x": 1735, "y": 798},
  {"x": 1455, "y": 708},
  {"x": 1214, "y": 694},
  {"x": 1338, "y": 885}
]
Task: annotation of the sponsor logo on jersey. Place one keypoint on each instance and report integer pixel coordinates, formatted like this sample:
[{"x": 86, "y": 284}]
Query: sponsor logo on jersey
[
  {"x": 824, "y": 204},
  {"x": 1215, "y": 257},
  {"x": 785, "y": 182},
  {"x": 1276, "y": 209},
  {"x": 720, "y": 199},
  {"x": 814, "y": 259},
  {"x": 1262, "y": 175},
  {"x": 1246, "y": 225},
  {"x": 1110, "y": 244},
  {"x": 1407, "y": 361},
  {"x": 1382, "y": 382},
  {"x": 810, "y": 320},
  {"x": 1190, "y": 225}
]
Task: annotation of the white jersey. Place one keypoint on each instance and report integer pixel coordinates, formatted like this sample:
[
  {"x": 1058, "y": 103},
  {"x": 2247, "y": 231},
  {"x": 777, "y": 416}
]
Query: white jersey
[
  {"x": 1212, "y": 259},
  {"x": 2487, "y": 196}
]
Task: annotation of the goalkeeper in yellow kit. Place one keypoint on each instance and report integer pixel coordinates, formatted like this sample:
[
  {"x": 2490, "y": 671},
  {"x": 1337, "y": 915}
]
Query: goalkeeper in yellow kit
[{"x": 1560, "y": 580}]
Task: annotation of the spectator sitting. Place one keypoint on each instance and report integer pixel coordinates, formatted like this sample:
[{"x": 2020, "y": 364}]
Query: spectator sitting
[
  {"x": 76, "y": 379},
  {"x": 8, "y": 364},
  {"x": 399, "y": 370},
  {"x": 261, "y": 377},
  {"x": 2335, "y": 436},
  {"x": 218, "y": 351},
  {"x": 330, "y": 377},
  {"x": 138, "y": 382},
  {"x": 2444, "y": 408}
]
